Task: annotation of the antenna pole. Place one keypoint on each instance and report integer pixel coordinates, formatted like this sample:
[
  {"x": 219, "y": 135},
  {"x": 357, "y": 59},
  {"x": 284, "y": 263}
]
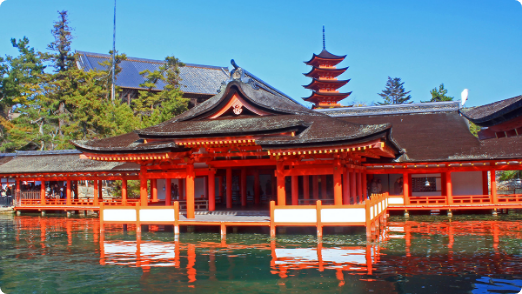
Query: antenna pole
[
  {"x": 113, "y": 89},
  {"x": 324, "y": 42}
]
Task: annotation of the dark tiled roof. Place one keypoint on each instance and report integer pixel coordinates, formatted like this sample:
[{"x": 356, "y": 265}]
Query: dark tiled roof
[
  {"x": 326, "y": 55},
  {"x": 55, "y": 163},
  {"x": 130, "y": 142},
  {"x": 496, "y": 112},
  {"x": 196, "y": 78},
  {"x": 393, "y": 109}
]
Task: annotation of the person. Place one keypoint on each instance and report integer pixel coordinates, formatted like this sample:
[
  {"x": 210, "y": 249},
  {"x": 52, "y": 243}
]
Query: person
[{"x": 62, "y": 193}]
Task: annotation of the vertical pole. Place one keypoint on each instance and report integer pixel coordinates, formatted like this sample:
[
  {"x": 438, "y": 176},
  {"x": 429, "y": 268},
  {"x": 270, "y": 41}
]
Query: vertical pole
[
  {"x": 243, "y": 187},
  {"x": 319, "y": 223},
  {"x": 181, "y": 189},
  {"x": 42, "y": 193},
  {"x": 100, "y": 190},
  {"x": 365, "y": 185},
  {"x": 449, "y": 188},
  {"x": 338, "y": 188},
  {"x": 272, "y": 225},
  {"x": 323, "y": 187},
  {"x": 144, "y": 201},
  {"x": 212, "y": 191},
  {"x": 154, "y": 190},
  {"x": 229, "y": 188},
  {"x": 353, "y": 191},
  {"x": 168, "y": 192},
  {"x": 281, "y": 189},
  {"x": 295, "y": 190},
  {"x": 124, "y": 192},
  {"x": 359, "y": 186},
  {"x": 68, "y": 191},
  {"x": 493, "y": 180},
  {"x": 485, "y": 183},
  {"x": 306, "y": 187},
  {"x": 95, "y": 192},
  {"x": 191, "y": 201},
  {"x": 443, "y": 184},
  {"x": 315, "y": 186},
  {"x": 406, "y": 188},
  {"x": 346, "y": 187},
  {"x": 256, "y": 187}
]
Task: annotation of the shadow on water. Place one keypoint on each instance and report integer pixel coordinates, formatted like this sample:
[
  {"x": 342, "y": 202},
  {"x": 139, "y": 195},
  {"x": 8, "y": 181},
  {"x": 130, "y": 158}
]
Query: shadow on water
[{"x": 425, "y": 254}]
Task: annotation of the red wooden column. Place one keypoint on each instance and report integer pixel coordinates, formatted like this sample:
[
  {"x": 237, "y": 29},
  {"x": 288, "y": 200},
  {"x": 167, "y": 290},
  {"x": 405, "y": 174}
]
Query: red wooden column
[
  {"x": 406, "y": 188},
  {"x": 95, "y": 192},
  {"x": 364, "y": 186},
  {"x": 124, "y": 192},
  {"x": 100, "y": 190},
  {"x": 346, "y": 187},
  {"x": 353, "y": 191},
  {"x": 449, "y": 188},
  {"x": 443, "y": 181},
  {"x": 154, "y": 190},
  {"x": 323, "y": 187},
  {"x": 306, "y": 187},
  {"x": 281, "y": 191},
  {"x": 191, "y": 200},
  {"x": 144, "y": 195},
  {"x": 493, "y": 180},
  {"x": 359, "y": 186},
  {"x": 256, "y": 187},
  {"x": 42, "y": 193},
  {"x": 68, "y": 192},
  {"x": 212, "y": 191},
  {"x": 243, "y": 187},
  {"x": 295, "y": 190},
  {"x": 337, "y": 183},
  {"x": 229, "y": 187},
  {"x": 485, "y": 190},
  {"x": 168, "y": 192},
  {"x": 315, "y": 186},
  {"x": 18, "y": 190}
]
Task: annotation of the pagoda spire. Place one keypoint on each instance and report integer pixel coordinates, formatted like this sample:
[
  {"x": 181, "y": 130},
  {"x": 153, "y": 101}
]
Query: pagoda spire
[{"x": 325, "y": 85}]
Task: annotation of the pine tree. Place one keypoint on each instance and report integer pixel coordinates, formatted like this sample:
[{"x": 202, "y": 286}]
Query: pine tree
[
  {"x": 63, "y": 59},
  {"x": 118, "y": 58},
  {"x": 439, "y": 95},
  {"x": 394, "y": 93}
]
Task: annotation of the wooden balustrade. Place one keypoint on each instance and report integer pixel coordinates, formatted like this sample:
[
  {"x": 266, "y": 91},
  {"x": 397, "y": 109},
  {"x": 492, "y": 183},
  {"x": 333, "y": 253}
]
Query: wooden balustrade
[{"x": 200, "y": 205}]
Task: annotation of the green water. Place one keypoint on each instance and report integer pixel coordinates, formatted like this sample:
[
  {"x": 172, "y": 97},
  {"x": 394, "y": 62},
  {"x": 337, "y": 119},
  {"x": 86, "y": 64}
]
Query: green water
[{"x": 423, "y": 255}]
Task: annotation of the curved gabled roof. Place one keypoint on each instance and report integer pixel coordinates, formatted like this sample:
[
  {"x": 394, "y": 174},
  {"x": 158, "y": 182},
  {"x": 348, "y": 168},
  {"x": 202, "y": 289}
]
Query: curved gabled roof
[
  {"x": 316, "y": 71},
  {"x": 317, "y": 84},
  {"x": 326, "y": 55},
  {"x": 494, "y": 113},
  {"x": 324, "y": 96}
]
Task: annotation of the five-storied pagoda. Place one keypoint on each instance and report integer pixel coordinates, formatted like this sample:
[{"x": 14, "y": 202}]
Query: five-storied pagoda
[{"x": 325, "y": 85}]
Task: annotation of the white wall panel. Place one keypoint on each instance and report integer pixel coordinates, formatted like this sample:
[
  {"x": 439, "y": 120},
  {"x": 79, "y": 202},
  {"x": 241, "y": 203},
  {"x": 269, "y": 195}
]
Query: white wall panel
[
  {"x": 119, "y": 215},
  {"x": 295, "y": 215},
  {"x": 157, "y": 215},
  {"x": 340, "y": 215}
]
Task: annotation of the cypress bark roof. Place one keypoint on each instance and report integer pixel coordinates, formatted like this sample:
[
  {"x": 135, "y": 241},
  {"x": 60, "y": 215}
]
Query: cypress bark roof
[
  {"x": 60, "y": 163},
  {"x": 495, "y": 113}
]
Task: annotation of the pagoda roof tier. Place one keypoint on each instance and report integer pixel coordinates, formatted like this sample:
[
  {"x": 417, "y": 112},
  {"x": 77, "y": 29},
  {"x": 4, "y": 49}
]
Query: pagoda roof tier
[
  {"x": 317, "y": 72},
  {"x": 325, "y": 56},
  {"x": 245, "y": 113},
  {"x": 318, "y": 84},
  {"x": 332, "y": 96}
]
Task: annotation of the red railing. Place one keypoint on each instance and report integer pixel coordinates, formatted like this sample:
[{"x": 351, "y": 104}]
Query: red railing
[
  {"x": 510, "y": 198},
  {"x": 472, "y": 199},
  {"x": 428, "y": 200}
]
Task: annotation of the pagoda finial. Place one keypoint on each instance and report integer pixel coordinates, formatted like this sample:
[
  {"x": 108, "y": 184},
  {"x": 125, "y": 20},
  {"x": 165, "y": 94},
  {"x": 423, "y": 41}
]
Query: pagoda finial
[{"x": 324, "y": 42}]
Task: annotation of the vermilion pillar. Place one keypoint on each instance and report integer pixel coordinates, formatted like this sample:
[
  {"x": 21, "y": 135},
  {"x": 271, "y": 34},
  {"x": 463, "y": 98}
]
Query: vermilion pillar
[
  {"x": 323, "y": 187},
  {"x": 100, "y": 190},
  {"x": 295, "y": 190},
  {"x": 493, "y": 183},
  {"x": 443, "y": 184},
  {"x": 95, "y": 192},
  {"x": 212, "y": 191},
  {"x": 359, "y": 187},
  {"x": 346, "y": 187},
  {"x": 68, "y": 192},
  {"x": 181, "y": 189},
  {"x": 364, "y": 186},
  {"x": 144, "y": 195},
  {"x": 353, "y": 191},
  {"x": 256, "y": 187},
  {"x": 449, "y": 188},
  {"x": 337, "y": 188},
  {"x": 485, "y": 188},
  {"x": 243, "y": 187},
  {"x": 281, "y": 191},
  {"x": 306, "y": 187},
  {"x": 315, "y": 186},
  {"x": 124, "y": 192},
  {"x": 154, "y": 190},
  {"x": 191, "y": 200},
  {"x": 406, "y": 188},
  {"x": 42, "y": 193},
  {"x": 168, "y": 192},
  {"x": 229, "y": 187}
]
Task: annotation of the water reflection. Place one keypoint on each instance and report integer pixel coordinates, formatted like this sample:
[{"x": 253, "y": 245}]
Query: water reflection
[{"x": 408, "y": 257}]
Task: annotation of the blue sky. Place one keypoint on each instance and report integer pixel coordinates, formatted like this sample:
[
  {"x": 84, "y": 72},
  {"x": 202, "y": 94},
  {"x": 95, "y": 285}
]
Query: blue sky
[{"x": 461, "y": 43}]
